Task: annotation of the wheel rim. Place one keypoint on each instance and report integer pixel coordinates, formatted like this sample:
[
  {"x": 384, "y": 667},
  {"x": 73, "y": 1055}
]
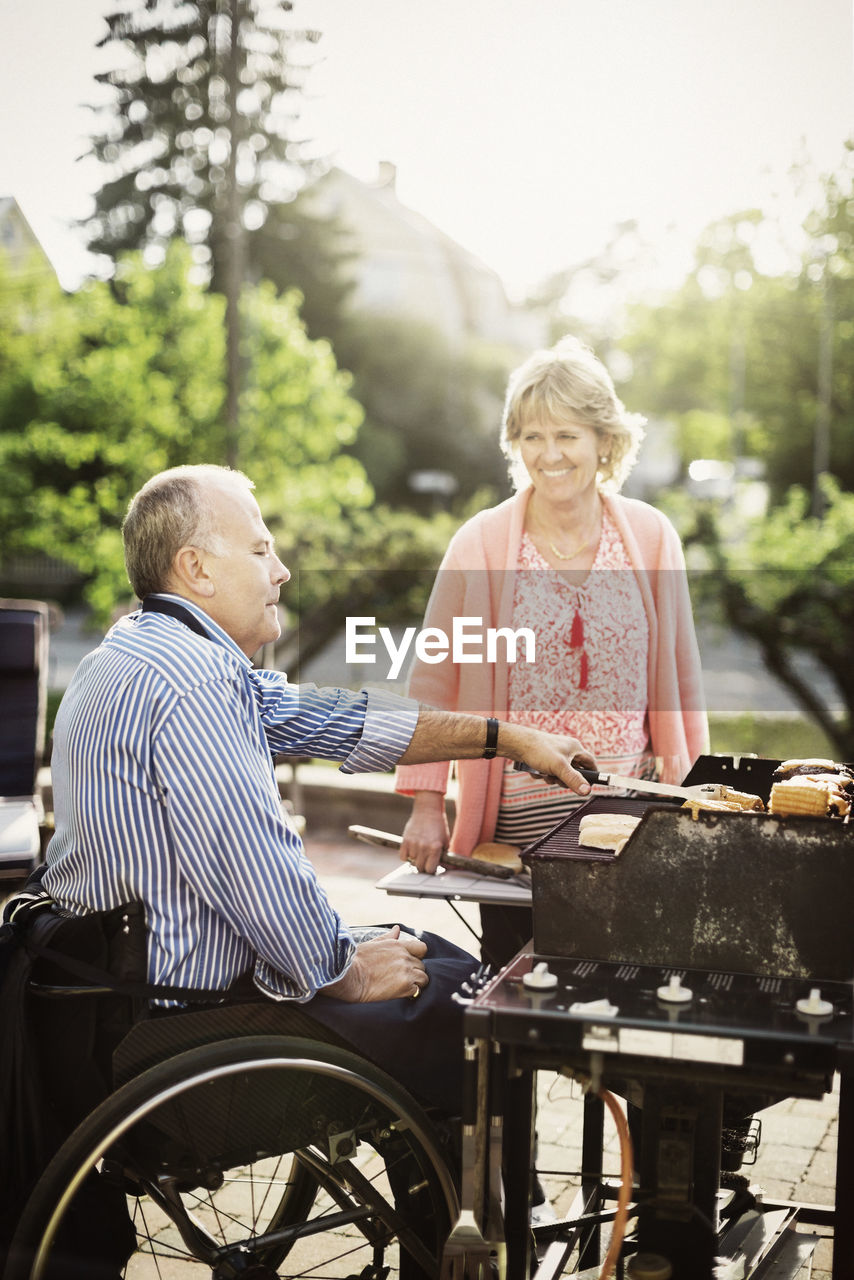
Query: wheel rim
[{"x": 324, "y": 1206}]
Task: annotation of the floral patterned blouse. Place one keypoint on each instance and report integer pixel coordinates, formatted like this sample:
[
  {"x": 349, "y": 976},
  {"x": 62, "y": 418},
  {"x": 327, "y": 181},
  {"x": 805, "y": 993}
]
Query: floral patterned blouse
[{"x": 589, "y": 678}]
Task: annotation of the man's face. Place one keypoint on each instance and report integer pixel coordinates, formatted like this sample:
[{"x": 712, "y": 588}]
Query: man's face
[{"x": 248, "y": 576}]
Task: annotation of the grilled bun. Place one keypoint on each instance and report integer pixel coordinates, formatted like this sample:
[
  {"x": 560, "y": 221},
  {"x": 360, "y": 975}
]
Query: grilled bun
[
  {"x": 500, "y": 855},
  {"x": 815, "y": 767},
  {"x": 606, "y": 830},
  {"x": 812, "y": 788}
]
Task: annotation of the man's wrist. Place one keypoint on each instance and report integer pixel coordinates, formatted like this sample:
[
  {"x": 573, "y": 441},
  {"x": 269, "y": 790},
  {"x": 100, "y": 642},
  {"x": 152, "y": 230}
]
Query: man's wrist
[{"x": 490, "y": 750}]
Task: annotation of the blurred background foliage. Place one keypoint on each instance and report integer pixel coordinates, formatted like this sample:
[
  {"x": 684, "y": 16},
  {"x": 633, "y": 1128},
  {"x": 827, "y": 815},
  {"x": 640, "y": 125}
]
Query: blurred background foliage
[{"x": 225, "y": 330}]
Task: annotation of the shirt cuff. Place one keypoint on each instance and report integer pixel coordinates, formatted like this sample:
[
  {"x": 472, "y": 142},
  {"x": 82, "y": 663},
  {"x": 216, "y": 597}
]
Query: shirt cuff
[
  {"x": 390, "y": 722},
  {"x": 279, "y": 986}
]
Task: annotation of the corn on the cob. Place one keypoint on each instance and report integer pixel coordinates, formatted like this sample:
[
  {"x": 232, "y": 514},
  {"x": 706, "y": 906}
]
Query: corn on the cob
[
  {"x": 800, "y": 797},
  {"x": 697, "y": 805},
  {"x": 742, "y": 799}
]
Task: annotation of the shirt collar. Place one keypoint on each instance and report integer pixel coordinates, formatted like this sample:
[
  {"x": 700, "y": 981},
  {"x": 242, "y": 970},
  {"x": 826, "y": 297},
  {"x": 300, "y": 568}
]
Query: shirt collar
[{"x": 213, "y": 629}]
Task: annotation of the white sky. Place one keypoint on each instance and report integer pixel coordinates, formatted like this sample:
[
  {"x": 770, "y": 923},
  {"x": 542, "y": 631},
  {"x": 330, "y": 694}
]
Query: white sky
[{"x": 524, "y": 128}]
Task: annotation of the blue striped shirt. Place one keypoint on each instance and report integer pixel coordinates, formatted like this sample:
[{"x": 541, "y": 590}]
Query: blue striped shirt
[{"x": 165, "y": 793}]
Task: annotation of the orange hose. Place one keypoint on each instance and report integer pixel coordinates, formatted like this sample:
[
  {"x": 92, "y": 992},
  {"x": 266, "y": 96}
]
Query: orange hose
[{"x": 626, "y": 1173}]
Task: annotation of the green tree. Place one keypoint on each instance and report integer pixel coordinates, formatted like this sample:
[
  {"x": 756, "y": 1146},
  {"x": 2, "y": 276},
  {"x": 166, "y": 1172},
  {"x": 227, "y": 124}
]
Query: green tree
[
  {"x": 427, "y": 406},
  {"x": 788, "y": 583},
  {"x": 693, "y": 353},
  {"x": 201, "y": 139},
  {"x": 113, "y": 383},
  {"x": 768, "y": 356},
  {"x": 202, "y": 142},
  {"x": 378, "y": 563}
]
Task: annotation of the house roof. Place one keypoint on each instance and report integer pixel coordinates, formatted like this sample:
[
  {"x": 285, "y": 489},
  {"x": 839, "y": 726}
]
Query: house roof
[
  {"x": 19, "y": 242},
  {"x": 406, "y": 264}
]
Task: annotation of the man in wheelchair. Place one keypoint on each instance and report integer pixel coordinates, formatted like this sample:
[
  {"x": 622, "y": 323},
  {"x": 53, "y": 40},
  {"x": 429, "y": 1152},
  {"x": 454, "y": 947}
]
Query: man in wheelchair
[{"x": 165, "y": 796}]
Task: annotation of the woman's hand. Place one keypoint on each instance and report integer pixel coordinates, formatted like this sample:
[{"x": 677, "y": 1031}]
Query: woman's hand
[
  {"x": 426, "y": 835},
  {"x": 387, "y": 968}
]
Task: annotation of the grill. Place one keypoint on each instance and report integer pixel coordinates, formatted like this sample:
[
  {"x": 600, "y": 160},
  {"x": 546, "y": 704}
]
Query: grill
[{"x": 750, "y": 893}]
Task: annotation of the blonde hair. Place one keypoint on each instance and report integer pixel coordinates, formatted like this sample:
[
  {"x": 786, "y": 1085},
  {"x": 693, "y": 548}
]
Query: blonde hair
[
  {"x": 569, "y": 383},
  {"x": 171, "y": 511}
]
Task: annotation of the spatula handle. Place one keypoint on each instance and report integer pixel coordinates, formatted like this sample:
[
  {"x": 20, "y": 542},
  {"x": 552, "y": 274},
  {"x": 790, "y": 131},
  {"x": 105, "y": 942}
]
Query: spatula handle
[{"x": 590, "y": 775}]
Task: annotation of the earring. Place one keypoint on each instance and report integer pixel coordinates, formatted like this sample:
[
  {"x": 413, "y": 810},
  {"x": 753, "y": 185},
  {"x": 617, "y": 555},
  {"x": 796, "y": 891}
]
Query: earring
[{"x": 603, "y": 459}]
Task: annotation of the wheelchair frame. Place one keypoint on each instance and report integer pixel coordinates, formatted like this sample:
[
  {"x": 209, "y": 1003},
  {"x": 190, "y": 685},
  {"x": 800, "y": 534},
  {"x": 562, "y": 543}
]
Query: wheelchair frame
[
  {"x": 141, "y": 1138},
  {"x": 230, "y": 1153}
]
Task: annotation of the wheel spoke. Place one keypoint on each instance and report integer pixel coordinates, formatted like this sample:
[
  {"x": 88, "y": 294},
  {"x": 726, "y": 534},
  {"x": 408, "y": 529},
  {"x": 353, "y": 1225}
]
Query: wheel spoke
[{"x": 207, "y": 1136}]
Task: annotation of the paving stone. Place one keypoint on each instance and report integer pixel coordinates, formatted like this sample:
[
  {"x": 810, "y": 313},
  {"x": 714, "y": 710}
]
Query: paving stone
[{"x": 792, "y": 1131}]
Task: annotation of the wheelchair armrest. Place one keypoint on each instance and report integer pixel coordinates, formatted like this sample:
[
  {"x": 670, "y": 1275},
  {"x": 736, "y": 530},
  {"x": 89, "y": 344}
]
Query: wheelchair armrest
[{"x": 55, "y": 991}]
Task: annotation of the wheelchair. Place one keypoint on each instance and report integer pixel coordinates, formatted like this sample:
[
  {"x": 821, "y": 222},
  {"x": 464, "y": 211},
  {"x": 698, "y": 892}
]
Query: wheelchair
[{"x": 237, "y": 1140}]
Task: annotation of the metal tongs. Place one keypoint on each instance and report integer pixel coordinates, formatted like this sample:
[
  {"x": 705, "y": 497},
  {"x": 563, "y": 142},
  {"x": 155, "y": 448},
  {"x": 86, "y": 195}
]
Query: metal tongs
[{"x": 701, "y": 791}]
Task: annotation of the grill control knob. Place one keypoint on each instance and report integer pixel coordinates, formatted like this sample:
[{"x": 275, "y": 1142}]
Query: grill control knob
[
  {"x": 813, "y": 1005},
  {"x": 540, "y": 978},
  {"x": 674, "y": 992}
]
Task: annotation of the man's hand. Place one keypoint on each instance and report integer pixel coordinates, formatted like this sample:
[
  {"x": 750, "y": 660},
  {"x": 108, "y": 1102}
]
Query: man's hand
[
  {"x": 387, "y": 968},
  {"x": 450, "y": 735},
  {"x": 551, "y": 755}
]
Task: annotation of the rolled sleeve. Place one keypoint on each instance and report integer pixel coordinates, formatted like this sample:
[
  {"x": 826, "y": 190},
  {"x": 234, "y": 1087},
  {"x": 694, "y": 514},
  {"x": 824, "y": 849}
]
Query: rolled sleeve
[
  {"x": 281, "y": 986},
  {"x": 390, "y": 722}
]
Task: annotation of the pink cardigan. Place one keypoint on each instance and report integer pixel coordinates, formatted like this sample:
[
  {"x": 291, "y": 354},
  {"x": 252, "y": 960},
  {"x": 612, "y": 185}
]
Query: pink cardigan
[{"x": 476, "y": 579}]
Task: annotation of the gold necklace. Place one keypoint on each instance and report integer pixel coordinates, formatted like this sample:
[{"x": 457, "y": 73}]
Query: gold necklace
[
  {"x": 560, "y": 555},
  {"x": 578, "y": 550}
]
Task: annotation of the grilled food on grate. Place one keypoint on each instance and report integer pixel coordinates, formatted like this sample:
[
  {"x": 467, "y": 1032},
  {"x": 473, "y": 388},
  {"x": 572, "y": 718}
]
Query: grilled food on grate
[
  {"x": 728, "y": 798},
  {"x": 816, "y": 797},
  {"x": 814, "y": 788},
  {"x": 606, "y": 830},
  {"x": 815, "y": 767}
]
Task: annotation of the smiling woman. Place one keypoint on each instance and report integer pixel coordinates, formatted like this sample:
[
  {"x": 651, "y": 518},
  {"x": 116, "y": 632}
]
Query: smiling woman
[{"x": 601, "y": 580}]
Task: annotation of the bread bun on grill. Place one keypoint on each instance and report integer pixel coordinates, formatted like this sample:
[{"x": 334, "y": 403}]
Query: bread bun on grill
[
  {"x": 790, "y": 768},
  {"x": 606, "y": 830},
  {"x": 500, "y": 855}
]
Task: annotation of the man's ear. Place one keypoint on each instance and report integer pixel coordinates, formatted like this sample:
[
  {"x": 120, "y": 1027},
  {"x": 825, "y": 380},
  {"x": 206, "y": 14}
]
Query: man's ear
[{"x": 189, "y": 570}]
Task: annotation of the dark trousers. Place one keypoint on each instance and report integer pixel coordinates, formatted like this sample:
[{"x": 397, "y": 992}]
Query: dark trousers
[
  {"x": 504, "y": 931},
  {"x": 418, "y": 1042}
]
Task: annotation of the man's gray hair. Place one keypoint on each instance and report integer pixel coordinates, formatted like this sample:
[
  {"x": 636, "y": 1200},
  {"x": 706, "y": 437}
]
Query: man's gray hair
[{"x": 172, "y": 510}]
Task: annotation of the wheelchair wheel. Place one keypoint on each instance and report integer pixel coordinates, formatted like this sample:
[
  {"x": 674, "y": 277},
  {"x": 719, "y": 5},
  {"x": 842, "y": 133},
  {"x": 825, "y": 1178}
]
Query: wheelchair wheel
[{"x": 255, "y": 1157}]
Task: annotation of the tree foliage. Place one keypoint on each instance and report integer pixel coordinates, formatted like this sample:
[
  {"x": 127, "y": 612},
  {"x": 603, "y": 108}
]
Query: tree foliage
[
  {"x": 427, "y": 406},
  {"x": 750, "y": 363},
  {"x": 768, "y": 356},
  {"x": 202, "y": 140},
  {"x": 100, "y": 389},
  {"x": 788, "y": 584},
  {"x": 383, "y": 567}
]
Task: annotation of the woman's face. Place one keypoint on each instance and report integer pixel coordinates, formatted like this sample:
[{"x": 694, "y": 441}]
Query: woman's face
[{"x": 561, "y": 458}]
